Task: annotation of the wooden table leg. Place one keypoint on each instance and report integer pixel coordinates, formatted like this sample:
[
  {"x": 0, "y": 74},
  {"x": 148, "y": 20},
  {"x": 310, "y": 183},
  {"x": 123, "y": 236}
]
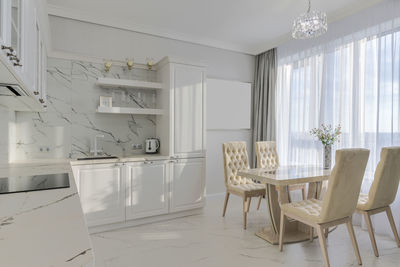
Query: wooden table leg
[
  {"x": 276, "y": 196},
  {"x": 314, "y": 190}
]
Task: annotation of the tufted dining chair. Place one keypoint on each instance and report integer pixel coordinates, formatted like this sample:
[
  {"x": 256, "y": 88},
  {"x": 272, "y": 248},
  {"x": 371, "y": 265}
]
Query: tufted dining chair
[
  {"x": 267, "y": 157},
  {"x": 236, "y": 159},
  {"x": 338, "y": 204},
  {"x": 382, "y": 192}
]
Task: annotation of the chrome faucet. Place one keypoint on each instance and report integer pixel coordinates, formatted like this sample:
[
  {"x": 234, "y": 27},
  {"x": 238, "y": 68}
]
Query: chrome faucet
[{"x": 95, "y": 150}]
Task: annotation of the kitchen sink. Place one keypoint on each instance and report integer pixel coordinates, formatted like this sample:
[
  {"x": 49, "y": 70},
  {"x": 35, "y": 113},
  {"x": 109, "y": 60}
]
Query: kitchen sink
[{"x": 99, "y": 157}]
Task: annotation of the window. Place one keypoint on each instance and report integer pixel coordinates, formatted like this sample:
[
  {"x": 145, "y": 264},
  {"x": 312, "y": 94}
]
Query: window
[{"x": 353, "y": 83}]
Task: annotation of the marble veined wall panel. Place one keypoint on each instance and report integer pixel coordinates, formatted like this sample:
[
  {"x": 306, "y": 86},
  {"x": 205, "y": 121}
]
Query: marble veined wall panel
[{"x": 70, "y": 123}]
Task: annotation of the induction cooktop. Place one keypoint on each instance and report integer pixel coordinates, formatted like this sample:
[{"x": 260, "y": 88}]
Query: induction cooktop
[{"x": 18, "y": 184}]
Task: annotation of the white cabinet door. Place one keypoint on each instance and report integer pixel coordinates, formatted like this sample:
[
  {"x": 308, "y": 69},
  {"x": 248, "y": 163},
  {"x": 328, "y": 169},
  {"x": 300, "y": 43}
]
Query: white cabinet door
[
  {"x": 28, "y": 44},
  {"x": 147, "y": 189},
  {"x": 187, "y": 184},
  {"x": 188, "y": 111},
  {"x": 101, "y": 189}
]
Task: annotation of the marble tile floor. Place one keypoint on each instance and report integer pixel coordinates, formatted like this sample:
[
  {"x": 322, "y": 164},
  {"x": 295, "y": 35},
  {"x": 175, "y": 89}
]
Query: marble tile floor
[{"x": 210, "y": 240}]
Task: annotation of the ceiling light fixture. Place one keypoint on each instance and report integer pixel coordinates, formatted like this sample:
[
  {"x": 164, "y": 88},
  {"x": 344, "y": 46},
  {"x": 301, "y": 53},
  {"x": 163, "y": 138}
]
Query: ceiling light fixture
[{"x": 310, "y": 24}]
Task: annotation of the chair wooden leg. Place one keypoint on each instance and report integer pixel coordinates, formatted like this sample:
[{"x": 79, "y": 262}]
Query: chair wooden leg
[
  {"x": 248, "y": 204},
  {"x": 259, "y": 202},
  {"x": 303, "y": 192},
  {"x": 244, "y": 212},
  {"x": 322, "y": 243},
  {"x": 367, "y": 219},
  {"x": 225, "y": 203},
  {"x": 353, "y": 240},
  {"x": 393, "y": 225},
  {"x": 281, "y": 231}
]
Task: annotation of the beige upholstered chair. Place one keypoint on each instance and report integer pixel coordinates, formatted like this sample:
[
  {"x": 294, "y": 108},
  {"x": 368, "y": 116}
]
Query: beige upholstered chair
[
  {"x": 382, "y": 192},
  {"x": 338, "y": 204},
  {"x": 236, "y": 159},
  {"x": 267, "y": 157}
]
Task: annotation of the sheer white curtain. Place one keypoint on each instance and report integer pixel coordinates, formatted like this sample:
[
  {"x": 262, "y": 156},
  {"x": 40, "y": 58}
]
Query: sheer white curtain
[{"x": 351, "y": 80}]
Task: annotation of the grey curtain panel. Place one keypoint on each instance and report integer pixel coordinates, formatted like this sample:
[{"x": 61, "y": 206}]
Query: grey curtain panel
[{"x": 264, "y": 99}]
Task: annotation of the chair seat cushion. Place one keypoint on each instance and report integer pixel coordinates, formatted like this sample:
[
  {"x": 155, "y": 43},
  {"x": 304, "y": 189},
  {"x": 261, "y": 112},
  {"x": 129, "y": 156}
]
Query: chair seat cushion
[
  {"x": 362, "y": 202},
  {"x": 248, "y": 189},
  {"x": 309, "y": 209}
]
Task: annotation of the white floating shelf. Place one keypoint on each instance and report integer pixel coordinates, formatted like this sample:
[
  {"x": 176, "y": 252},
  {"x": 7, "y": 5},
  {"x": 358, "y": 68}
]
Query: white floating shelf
[
  {"x": 122, "y": 110},
  {"x": 110, "y": 83}
]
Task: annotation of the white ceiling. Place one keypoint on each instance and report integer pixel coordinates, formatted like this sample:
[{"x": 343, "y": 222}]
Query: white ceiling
[{"x": 249, "y": 26}]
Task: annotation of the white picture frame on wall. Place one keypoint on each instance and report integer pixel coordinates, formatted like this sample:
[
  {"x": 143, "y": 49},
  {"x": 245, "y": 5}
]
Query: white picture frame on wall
[
  {"x": 235, "y": 112},
  {"x": 106, "y": 101}
]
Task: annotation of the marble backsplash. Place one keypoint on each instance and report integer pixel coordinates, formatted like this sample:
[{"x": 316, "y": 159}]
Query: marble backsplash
[{"x": 67, "y": 128}]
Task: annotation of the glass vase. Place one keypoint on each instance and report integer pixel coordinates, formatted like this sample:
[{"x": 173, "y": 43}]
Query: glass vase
[{"x": 327, "y": 157}]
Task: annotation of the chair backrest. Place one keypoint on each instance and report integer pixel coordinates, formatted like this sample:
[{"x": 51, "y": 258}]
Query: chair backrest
[
  {"x": 386, "y": 181},
  {"x": 235, "y": 159},
  {"x": 267, "y": 157},
  {"x": 345, "y": 181}
]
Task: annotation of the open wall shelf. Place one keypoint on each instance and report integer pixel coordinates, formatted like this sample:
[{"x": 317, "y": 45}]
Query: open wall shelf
[
  {"x": 123, "y": 110},
  {"x": 134, "y": 84}
]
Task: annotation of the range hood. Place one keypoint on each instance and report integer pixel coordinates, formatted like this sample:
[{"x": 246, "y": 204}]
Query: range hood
[
  {"x": 11, "y": 90},
  {"x": 14, "y": 95}
]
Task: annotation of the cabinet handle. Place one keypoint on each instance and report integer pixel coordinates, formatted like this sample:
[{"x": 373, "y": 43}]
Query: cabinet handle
[
  {"x": 41, "y": 100},
  {"x": 36, "y": 92},
  {"x": 9, "y": 48},
  {"x": 16, "y": 59},
  {"x": 148, "y": 162},
  {"x": 17, "y": 64}
]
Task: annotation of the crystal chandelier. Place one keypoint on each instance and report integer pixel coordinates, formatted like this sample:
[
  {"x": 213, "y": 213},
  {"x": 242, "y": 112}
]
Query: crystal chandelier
[{"x": 310, "y": 24}]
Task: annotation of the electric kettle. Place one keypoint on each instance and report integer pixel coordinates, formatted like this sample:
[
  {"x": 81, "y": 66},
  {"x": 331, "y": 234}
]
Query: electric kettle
[{"x": 152, "y": 146}]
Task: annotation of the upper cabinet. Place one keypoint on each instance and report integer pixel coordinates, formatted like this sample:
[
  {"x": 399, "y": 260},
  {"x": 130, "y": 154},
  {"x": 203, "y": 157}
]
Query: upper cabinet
[
  {"x": 23, "y": 56},
  {"x": 182, "y": 130},
  {"x": 188, "y": 110},
  {"x": 15, "y": 29},
  {"x": 12, "y": 33}
]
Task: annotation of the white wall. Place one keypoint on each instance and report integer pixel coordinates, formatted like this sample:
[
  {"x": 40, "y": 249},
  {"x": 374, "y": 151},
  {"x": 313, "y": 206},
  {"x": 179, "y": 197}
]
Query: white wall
[{"x": 110, "y": 43}]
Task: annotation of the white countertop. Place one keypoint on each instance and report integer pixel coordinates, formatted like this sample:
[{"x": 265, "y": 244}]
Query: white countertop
[
  {"x": 63, "y": 164},
  {"x": 136, "y": 158},
  {"x": 43, "y": 228}
]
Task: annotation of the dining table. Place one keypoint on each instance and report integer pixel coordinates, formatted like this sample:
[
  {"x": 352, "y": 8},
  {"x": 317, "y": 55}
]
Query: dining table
[{"x": 277, "y": 181}]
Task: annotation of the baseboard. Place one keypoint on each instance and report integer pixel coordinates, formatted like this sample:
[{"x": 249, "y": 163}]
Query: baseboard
[{"x": 148, "y": 220}]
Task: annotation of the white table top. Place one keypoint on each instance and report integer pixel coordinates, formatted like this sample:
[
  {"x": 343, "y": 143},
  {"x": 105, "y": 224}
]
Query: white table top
[{"x": 287, "y": 175}]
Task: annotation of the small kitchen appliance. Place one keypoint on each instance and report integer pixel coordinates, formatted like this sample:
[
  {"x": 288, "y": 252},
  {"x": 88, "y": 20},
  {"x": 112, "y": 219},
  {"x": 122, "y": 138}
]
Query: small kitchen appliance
[{"x": 152, "y": 146}]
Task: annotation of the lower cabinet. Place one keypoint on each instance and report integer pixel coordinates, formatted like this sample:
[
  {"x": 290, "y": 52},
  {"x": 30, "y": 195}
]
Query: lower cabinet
[
  {"x": 187, "y": 184},
  {"x": 146, "y": 190},
  {"x": 101, "y": 189},
  {"x": 115, "y": 193}
]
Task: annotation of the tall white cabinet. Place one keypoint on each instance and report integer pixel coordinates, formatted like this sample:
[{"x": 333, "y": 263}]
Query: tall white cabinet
[{"x": 184, "y": 131}]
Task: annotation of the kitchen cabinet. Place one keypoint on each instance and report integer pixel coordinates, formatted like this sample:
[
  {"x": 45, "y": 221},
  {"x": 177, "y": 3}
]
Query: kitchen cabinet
[
  {"x": 187, "y": 184},
  {"x": 22, "y": 55},
  {"x": 12, "y": 33},
  {"x": 188, "y": 112},
  {"x": 40, "y": 68},
  {"x": 101, "y": 189},
  {"x": 147, "y": 189}
]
